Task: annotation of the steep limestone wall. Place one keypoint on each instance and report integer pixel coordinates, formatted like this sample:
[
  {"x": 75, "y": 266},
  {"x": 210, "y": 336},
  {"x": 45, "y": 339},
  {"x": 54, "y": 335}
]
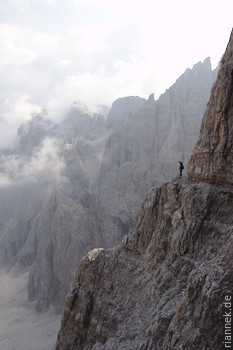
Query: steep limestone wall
[{"x": 213, "y": 155}]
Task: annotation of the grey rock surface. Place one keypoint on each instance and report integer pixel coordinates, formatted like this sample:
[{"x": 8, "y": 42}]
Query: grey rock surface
[
  {"x": 18, "y": 212},
  {"x": 163, "y": 287},
  {"x": 212, "y": 158},
  {"x": 123, "y": 110},
  {"x": 63, "y": 234}
]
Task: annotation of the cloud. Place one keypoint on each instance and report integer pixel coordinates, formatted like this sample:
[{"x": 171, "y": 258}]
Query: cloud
[
  {"x": 54, "y": 52},
  {"x": 90, "y": 88},
  {"x": 16, "y": 108},
  {"x": 52, "y": 71},
  {"x": 45, "y": 165}
]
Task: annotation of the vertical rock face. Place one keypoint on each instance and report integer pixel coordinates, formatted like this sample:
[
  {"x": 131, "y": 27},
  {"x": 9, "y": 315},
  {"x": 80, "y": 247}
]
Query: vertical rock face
[
  {"x": 63, "y": 233},
  {"x": 18, "y": 211},
  {"x": 123, "y": 110},
  {"x": 213, "y": 155}
]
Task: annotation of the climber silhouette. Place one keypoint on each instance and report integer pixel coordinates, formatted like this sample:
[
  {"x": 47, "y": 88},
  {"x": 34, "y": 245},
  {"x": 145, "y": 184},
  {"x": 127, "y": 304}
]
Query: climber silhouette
[{"x": 181, "y": 168}]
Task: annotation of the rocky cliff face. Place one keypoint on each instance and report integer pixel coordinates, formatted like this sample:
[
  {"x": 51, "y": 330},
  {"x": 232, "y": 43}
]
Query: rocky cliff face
[
  {"x": 213, "y": 154},
  {"x": 123, "y": 110},
  {"x": 18, "y": 213},
  {"x": 61, "y": 235},
  {"x": 164, "y": 286}
]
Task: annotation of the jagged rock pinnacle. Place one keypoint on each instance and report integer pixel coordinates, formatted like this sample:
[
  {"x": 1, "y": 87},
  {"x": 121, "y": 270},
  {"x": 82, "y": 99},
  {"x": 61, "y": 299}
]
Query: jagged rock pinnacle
[
  {"x": 213, "y": 155},
  {"x": 151, "y": 97}
]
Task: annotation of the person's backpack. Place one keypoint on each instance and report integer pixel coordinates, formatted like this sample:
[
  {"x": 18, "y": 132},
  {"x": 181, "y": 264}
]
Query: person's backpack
[{"x": 182, "y": 166}]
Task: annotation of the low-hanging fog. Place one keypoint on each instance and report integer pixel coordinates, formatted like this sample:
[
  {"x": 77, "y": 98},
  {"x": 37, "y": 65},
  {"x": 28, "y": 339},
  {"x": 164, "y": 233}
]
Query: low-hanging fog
[{"x": 20, "y": 327}]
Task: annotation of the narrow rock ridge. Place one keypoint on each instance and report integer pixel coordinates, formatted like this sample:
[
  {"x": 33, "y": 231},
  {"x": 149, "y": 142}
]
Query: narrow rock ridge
[{"x": 213, "y": 154}]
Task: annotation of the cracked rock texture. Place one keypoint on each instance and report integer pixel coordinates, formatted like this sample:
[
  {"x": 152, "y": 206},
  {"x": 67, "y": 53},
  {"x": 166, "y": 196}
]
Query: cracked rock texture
[
  {"x": 213, "y": 155},
  {"x": 163, "y": 287}
]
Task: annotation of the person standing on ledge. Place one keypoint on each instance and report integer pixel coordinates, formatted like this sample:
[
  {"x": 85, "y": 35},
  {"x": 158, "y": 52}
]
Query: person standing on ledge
[{"x": 181, "y": 168}]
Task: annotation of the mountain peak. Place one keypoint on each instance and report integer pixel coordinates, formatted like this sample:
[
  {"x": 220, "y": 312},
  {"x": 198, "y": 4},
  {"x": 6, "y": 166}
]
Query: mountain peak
[
  {"x": 213, "y": 153},
  {"x": 123, "y": 109},
  {"x": 151, "y": 97}
]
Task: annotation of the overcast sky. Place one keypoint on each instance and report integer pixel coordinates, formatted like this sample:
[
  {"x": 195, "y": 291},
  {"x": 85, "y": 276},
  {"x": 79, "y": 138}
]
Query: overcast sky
[{"x": 54, "y": 52}]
